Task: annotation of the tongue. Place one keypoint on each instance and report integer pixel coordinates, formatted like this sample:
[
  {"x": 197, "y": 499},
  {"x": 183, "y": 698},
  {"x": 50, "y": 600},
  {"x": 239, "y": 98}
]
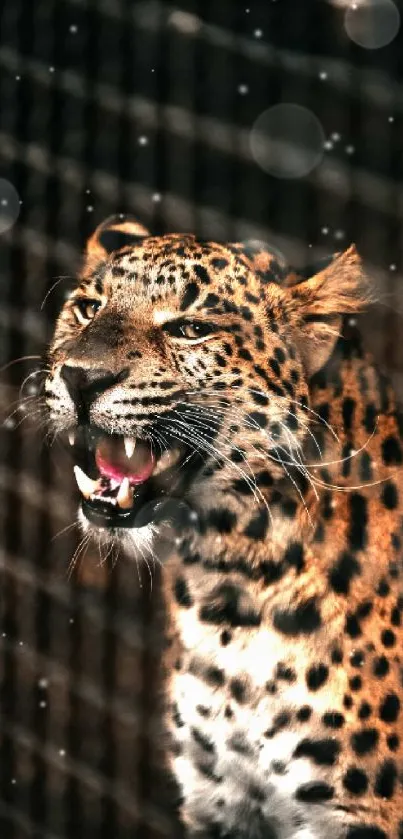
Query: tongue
[{"x": 112, "y": 461}]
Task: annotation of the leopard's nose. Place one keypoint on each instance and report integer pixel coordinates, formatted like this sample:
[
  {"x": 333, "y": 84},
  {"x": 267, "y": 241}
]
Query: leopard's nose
[{"x": 84, "y": 384}]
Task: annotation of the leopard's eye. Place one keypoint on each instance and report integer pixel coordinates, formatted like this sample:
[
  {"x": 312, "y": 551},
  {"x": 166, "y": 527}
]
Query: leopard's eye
[
  {"x": 85, "y": 309},
  {"x": 195, "y": 329},
  {"x": 190, "y": 330}
]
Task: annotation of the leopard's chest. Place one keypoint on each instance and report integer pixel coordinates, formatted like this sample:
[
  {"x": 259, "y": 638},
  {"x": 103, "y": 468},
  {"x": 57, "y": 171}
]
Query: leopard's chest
[{"x": 236, "y": 723}]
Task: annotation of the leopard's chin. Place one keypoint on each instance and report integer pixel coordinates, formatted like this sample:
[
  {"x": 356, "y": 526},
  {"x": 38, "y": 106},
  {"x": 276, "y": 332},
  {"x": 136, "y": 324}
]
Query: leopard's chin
[{"x": 126, "y": 486}]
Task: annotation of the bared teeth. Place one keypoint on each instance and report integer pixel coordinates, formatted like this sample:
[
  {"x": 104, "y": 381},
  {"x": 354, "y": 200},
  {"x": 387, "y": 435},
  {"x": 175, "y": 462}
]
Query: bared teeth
[
  {"x": 129, "y": 445},
  {"x": 85, "y": 484},
  {"x": 71, "y": 438},
  {"x": 124, "y": 497},
  {"x": 167, "y": 459}
]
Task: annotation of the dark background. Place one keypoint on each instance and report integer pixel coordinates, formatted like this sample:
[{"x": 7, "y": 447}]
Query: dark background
[{"x": 81, "y": 83}]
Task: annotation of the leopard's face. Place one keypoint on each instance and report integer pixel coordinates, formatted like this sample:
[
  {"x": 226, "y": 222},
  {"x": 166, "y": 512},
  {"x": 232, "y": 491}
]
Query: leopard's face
[{"x": 178, "y": 373}]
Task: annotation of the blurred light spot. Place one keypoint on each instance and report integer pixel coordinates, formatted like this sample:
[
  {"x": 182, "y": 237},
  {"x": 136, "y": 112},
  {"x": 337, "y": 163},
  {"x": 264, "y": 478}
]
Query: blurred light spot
[
  {"x": 373, "y": 24},
  {"x": 391, "y": 119},
  {"x": 339, "y": 234},
  {"x": 9, "y": 205},
  {"x": 350, "y": 149},
  {"x": 392, "y": 267},
  {"x": 143, "y": 141},
  {"x": 73, "y": 28},
  {"x": 258, "y": 33},
  {"x": 335, "y": 136},
  {"x": 328, "y": 145},
  {"x": 184, "y": 22},
  {"x": 9, "y": 423},
  {"x": 323, "y": 75},
  {"x": 287, "y": 141},
  {"x": 51, "y": 69},
  {"x": 43, "y": 684},
  {"x": 62, "y": 752},
  {"x": 325, "y": 231},
  {"x": 90, "y": 208},
  {"x": 243, "y": 89},
  {"x": 157, "y": 197}
]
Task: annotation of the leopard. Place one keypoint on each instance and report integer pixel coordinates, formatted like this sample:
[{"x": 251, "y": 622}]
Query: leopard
[{"x": 227, "y": 421}]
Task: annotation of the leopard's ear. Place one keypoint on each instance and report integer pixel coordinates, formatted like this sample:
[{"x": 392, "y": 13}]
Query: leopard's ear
[
  {"x": 112, "y": 235},
  {"x": 317, "y": 306}
]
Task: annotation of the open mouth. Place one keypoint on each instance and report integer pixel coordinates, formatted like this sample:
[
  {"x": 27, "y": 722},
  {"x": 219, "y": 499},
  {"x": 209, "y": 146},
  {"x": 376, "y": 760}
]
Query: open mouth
[{"x": 123, "y": 481}]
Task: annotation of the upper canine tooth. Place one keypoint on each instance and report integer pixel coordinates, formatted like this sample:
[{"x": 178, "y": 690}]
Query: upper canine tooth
[
  {"x": 129, "y": 445},
  {"x": 85, "y": 484},
  {"x": 124, "y": 497},
  {"x": 167, "y": 459},
  {"x": 71, "y": 437}
]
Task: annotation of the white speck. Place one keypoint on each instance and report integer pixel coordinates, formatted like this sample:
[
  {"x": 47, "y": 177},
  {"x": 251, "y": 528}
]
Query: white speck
[
  {"x": 157, "y": 197},
  {"x": 71, "y": 620},
  {"x": 335, "y": 136},
  {"x": 73, "y": 28},
  {"x": 18, "y": 78},
  {"x": 21, "y": 643},
  {"x": 43, "y": 704},
  {"x": 328, "y": 145},
  {"x": 323, "y": 75},
  {"x": 352, "y": 321},
  {"x": 325, "y": 231},
  {"x": 87, "y": 191},
  {"x": 143, "y": 141},
  {"x": 4, "y": 635},
  {"x": 13, "y": 780},
  {"x": 90, "y": 208},
  {"x": 258, "y": 33},
  {"x": 4, "y": 202},
  {"x": 247, "y": 11},
  {"x": 20, "y": 202},
  {"x": 51, "y": 69},
  {"x": 243, "y": 89},
  {"x": 350, "y": 149},
  {"x": 391, "y": 119},
  {"x": 339, "y": 234},
  {"x": 392, "y": 267},
  {"x": 9, "y": 422},
  {"x": 153, "y": 69},
  {"x": 310, "y": 246},
  {"x": 62, "y": 752},
  {"x": 43, "y": 684}
]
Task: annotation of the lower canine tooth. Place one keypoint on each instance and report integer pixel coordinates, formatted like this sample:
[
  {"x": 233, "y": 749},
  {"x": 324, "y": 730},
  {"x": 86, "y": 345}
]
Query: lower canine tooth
[
  {"x": 124, "y": 497},
  {"x": 71, "y": 438},
  {"x": 85, "y": 484}
]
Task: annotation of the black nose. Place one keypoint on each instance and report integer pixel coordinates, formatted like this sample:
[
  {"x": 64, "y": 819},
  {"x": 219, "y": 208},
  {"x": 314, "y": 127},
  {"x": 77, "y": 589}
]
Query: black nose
[{"x": 85, "y": 384}]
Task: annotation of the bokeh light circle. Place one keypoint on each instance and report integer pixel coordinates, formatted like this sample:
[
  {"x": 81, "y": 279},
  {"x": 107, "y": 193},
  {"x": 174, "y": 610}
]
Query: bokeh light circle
[
  {"x": 372, "y": 24},
  {"x": 287, "y": 141},
  {"x": 9, "y": 205}
]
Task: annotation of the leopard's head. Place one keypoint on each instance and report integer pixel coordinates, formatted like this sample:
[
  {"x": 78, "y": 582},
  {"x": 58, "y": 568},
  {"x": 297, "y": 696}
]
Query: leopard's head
[{"x": 180, "y": 371}]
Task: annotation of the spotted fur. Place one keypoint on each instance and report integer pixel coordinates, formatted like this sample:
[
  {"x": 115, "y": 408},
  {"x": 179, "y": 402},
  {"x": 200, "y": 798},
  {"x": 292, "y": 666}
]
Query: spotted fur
[{"x": 283, "y": 661}]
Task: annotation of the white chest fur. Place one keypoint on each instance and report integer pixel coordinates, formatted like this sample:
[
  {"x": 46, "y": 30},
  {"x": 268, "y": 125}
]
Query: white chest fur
[{"x": 237, "y": 732}]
